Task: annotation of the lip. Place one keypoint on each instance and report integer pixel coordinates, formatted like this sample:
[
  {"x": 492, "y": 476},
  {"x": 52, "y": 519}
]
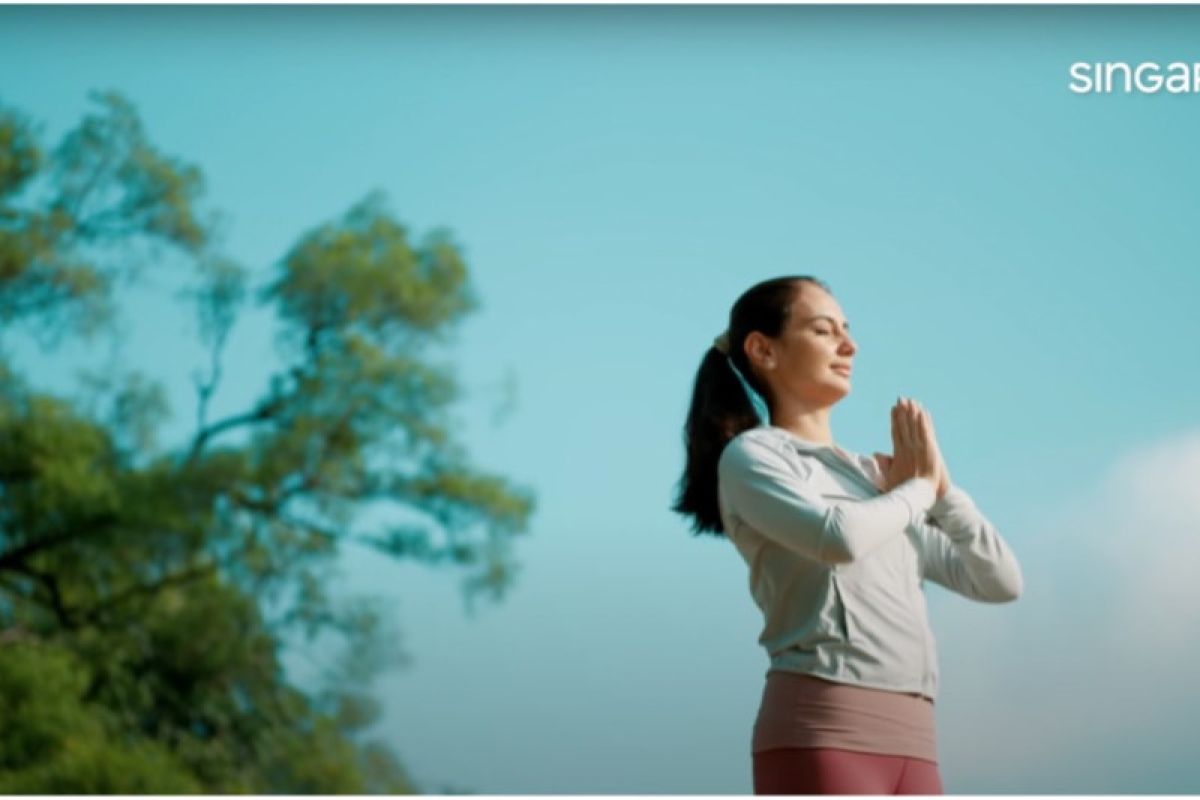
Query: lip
[{"x": 842, "y": 369}]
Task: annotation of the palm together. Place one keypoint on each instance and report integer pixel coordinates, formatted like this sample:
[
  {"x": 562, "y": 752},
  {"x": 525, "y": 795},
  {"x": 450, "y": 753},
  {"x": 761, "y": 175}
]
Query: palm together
[{"x": 914, "y": 447}]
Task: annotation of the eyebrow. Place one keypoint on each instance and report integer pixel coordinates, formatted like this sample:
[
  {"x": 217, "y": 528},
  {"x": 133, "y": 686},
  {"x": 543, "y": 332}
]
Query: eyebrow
[{"x": 845, "y": 325}]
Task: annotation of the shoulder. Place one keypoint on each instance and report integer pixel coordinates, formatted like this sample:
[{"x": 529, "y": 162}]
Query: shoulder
[
  {"x": 751, "y": 444},
  {"x": 758, "y": 448}
]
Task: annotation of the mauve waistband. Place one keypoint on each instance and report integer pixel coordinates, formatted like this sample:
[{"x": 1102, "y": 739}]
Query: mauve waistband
[{"x": 800, "y": 710}]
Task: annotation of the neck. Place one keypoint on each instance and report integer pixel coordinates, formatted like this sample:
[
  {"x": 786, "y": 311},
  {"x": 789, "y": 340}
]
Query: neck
[{"x": 811, "y": 424}]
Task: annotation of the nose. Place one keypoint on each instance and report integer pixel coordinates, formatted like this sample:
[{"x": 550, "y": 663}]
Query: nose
[{"x": 847, "y": 347}]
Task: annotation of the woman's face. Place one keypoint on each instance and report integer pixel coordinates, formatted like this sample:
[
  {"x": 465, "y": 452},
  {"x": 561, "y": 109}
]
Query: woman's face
[{"x": 810, "y": 361}]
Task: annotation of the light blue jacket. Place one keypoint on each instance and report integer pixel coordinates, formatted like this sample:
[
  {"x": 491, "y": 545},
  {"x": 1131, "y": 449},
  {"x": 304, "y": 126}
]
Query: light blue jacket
[{"x": 838, "y": 567}]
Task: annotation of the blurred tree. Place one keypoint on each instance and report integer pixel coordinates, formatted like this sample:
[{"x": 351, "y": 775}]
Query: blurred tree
[{"x": 146, "y": 592}]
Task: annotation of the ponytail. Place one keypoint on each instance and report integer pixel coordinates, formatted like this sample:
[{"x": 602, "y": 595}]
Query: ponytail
[
  {"x": 720, "y": 410},
  {"x": 728, "y": 398}
]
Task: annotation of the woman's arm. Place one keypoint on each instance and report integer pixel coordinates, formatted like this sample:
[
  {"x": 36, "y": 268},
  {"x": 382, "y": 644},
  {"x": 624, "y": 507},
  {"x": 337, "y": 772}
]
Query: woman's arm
[
  {"x": 965, "y": 553},
  {"x": 961, "y": 550},
  {"x": 759, "y": 486}
]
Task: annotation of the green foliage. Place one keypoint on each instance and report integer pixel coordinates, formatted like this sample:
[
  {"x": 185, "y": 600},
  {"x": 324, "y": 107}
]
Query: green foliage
[
  {"x": 149, "y": 590},
  {"x": 55, "y": 743},
  {"x": 20, "y": 156},
  {"x": 113, "y": 183},
  {"x": 72, "y": 224},
  {"x": 364, "y": 272}
]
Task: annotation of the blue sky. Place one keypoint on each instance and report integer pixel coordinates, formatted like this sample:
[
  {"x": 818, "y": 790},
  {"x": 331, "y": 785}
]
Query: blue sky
[{"x": 1019, "y": 258}]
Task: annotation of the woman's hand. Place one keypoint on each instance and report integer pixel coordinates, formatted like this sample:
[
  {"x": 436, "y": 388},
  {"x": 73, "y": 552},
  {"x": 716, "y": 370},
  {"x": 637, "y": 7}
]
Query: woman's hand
[
  {"x": 915, "y": 447},
  {"x": 943, "y": 482}
]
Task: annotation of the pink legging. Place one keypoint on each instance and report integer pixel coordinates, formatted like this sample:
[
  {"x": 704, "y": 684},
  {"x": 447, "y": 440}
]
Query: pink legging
[{"x": 825, "y": 770}]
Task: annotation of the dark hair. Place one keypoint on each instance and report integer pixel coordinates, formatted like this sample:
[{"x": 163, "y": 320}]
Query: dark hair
[{"x": 720, "y": 409}]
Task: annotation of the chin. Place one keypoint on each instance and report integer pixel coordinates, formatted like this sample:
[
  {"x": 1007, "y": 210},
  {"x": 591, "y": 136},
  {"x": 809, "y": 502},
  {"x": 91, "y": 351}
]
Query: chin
[{"x": 836, "y": 391}]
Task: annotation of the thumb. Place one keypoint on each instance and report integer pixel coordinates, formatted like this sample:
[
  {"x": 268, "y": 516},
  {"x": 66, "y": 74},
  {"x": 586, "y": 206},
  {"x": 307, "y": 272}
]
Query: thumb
[{"x": 884, "y": 460}]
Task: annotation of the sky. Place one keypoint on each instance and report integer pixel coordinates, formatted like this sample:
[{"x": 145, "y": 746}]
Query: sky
[{"x": 1018, "y": 257}]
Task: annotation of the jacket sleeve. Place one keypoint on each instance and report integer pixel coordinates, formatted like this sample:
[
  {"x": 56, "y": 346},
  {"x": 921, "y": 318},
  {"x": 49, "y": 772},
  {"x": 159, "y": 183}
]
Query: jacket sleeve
[
  {"x": 759, "y": 486},
  {"x": 963, "y": 552}
]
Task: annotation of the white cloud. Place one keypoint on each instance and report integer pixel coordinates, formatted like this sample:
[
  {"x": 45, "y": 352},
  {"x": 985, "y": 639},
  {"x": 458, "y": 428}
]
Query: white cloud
[{"x": 1088, "y": 683}]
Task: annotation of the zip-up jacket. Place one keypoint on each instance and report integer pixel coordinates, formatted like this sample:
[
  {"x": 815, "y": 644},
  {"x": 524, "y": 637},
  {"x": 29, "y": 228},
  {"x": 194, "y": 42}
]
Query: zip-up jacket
[{"x": 838, "y": 567}]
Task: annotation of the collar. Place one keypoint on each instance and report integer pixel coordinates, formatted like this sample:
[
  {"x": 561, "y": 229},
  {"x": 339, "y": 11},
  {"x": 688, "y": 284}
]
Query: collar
[
  {"x": 833, "y": 455},
  {"x": 805, "y": 444}
]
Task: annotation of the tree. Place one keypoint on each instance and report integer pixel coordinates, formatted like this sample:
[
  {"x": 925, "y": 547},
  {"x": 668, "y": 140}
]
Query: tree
[{"x": 159, "y": 584}]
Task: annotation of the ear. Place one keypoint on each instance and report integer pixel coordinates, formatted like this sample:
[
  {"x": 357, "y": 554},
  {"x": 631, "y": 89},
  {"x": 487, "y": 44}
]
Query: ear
[{"x": 760, "y": 350}]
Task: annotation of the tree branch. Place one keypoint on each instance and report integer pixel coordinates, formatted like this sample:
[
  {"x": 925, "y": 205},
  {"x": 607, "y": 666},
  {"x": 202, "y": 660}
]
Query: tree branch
[
  {"x": 57, "y": 604},
  {"x": 16, "y": 559},
  {"x": 206, "y": 389},
  {"x": 264, "y": 412},
  {"x": 102, "y": 167},
  {"x": 141, "y": 589}
]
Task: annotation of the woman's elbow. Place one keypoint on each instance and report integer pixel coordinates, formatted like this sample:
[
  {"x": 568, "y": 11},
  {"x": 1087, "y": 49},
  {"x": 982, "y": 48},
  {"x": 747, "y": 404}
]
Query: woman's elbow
[
  {"x": 1015, "y": 586},
  {"x": 1004, "y": 589}
]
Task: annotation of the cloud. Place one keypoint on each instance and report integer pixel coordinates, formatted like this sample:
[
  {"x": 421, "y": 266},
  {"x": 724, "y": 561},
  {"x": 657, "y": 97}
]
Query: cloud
[{"x": 1088, "y": 683}]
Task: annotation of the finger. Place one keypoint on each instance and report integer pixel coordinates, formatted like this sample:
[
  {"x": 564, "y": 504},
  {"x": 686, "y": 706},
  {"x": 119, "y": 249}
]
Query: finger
[
  {"x": 927, "y": 424},
  {"x": 900, "y": 432},
  {"x": 929, "y": 421},
  {"x": 910, "y": 415},
  {"x": 933, "y": 440},
  {"x": 918, "y": 440},
  {"x": 928, "y": 438},
  {"x": 921, "y": 423},
  {"x": 897, "y": 445},
  {"x": 918, "y": 434},
  {"x": 908, "y": 432}
]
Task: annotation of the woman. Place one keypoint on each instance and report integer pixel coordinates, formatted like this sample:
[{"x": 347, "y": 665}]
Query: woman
[{"x": 838, "y": 547}]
